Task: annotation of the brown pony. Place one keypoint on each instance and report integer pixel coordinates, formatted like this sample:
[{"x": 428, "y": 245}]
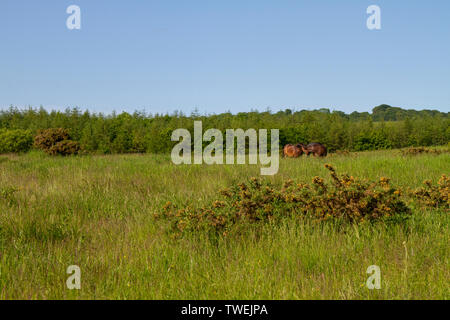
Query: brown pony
[
  {"x": 317, "y": 149},
  {"x": 292, "y": 151}
]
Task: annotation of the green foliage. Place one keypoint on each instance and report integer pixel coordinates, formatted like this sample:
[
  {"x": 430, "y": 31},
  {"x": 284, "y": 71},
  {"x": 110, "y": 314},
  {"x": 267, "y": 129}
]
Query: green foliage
[
  {"x": 14, "y": 141},
  {"x": 371, "y": 141},
  {"x": 385, "y": 112},
  {"x": 386, "y": 127}
]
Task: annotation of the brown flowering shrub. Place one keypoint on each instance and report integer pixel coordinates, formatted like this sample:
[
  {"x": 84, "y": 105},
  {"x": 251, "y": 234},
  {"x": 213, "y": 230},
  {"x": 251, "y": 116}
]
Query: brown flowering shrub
[
  {"x": 56, "y": 142},
  {"x": 47, "y": 138},
  {"x": 350, "y": 199},
  {"x": 64, "y": 148},
  {"x": 345, "y": 199},
  {"x": 435, "y": 196}
]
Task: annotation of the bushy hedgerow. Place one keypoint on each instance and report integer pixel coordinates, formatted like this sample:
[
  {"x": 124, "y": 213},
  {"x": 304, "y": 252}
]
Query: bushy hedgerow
[
  {"x": 346, "y": 199},
  {"x": 15, "y": 141},
  {"x": 386, "y": 127}
]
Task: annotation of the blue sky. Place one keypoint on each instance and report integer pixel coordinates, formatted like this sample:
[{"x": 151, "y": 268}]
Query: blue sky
[{"x": 216, "y": 56}]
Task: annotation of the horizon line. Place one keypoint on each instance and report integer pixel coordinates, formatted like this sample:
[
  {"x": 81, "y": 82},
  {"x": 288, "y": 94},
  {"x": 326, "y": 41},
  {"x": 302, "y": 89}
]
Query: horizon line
[{"x": 196, "y": 111}]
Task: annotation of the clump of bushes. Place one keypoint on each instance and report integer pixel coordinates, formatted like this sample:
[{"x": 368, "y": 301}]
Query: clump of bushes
[
  {"x": 435, "y": 196},
  {"x": 414, "y": 151},
  {"x": 350, "y": 199},
  {"x": 47, "y": 138},
  {"x": 15, "y": 141},
  {"x": 56, "y": 142},
  {"x": 346, "y": 199},
  {"x": 64, "y": 148},
  {"x": 372, "y": 141}
]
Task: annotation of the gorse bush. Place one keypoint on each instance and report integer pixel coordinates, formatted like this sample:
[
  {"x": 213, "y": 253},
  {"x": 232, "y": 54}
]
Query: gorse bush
[
  {"x": 436, "y": 196},
  {"x": 56, "y": 142},
  {"x": 346, "y": 199},
  {"x": 14, "y": 141},
  {"x": 45, "y": 139},
  {"x": 350, "y": 199},
  {"x": 65, "y": 148}
]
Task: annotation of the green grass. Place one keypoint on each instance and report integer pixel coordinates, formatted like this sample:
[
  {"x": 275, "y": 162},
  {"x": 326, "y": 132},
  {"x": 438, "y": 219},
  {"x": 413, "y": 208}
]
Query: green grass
[{"x": 96, "y": 212}]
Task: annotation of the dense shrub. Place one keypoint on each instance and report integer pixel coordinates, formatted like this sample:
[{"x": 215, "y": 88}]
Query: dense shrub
[
  {"x": 345, "y": 199},
  {"x": 65, "y": 148},
  {"x": 372, "y": 141},
  {"x": 45, "y": 139},
  {"x": 436, "y": 196},
  {"x": 56, "y": 142},
  {"x": 14, "y": 141}
]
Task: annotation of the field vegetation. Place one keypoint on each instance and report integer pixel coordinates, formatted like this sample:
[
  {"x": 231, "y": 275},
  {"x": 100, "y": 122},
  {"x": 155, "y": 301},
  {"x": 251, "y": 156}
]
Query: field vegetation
[{"x": 105, "y": 213}]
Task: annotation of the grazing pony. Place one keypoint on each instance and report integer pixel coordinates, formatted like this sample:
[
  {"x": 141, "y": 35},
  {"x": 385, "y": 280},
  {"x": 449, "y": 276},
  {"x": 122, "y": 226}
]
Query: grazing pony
[
  {"x": 317, "y": 149},
  {"x": 292, "y": 151}
]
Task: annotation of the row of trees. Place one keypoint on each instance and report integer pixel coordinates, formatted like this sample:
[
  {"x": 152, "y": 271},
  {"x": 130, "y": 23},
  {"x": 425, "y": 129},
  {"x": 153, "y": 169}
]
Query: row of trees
[{"x": 386, "y": 127}]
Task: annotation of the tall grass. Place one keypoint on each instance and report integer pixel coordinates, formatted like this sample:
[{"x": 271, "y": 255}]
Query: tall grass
[{"x": 96, "y": 212}]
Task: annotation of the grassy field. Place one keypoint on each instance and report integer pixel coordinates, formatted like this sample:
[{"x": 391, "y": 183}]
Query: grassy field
[{"x": 97, "y": 212}]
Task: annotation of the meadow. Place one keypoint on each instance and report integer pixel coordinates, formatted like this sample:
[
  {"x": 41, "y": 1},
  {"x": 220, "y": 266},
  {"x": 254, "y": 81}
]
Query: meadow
[{"x": 97, "y": 212}]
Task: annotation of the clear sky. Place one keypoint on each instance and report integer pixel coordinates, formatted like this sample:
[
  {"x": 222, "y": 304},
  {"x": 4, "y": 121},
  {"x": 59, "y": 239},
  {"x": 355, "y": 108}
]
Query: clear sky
[{"x": 220, "y": 55}]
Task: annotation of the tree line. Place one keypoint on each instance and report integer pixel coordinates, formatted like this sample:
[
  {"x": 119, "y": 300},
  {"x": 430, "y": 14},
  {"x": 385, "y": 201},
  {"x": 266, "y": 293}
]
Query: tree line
[{"x": 384, "y": 128}]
